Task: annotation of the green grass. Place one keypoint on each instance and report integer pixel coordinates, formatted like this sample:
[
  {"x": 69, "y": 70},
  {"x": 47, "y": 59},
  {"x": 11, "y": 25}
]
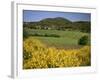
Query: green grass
[{"x": 67, "y": 39}]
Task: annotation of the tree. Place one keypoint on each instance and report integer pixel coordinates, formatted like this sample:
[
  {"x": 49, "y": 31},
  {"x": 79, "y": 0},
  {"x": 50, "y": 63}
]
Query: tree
[{"x": 83, "y": 40}]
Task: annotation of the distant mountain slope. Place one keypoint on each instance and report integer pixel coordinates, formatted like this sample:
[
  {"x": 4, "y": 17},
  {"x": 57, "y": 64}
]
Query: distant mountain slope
[
  {"x": 59, "y": 23},
  {"x": 84, "y": 26}
]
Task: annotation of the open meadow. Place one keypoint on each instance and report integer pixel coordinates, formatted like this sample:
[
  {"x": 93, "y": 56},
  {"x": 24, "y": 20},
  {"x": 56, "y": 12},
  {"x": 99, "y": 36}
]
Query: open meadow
[{"x": 59, "y": 39}]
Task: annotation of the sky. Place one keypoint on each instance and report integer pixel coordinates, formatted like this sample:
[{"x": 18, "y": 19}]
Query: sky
[{"x": 35, "y": 16}]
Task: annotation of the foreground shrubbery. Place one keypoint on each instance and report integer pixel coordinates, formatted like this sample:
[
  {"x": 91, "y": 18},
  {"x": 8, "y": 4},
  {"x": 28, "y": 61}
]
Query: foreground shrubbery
[{"x": 37, "y": 55}]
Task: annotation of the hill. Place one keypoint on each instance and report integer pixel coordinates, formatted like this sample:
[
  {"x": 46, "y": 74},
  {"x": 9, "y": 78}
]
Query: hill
[{"x": 59, "y": 23}]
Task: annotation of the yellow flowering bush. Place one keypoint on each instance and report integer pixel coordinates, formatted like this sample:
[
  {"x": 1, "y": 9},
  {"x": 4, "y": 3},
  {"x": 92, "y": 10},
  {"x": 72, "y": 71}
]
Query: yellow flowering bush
[{"x": 37, "y": 55}]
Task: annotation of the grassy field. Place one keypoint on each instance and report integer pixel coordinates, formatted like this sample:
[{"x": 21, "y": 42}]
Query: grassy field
[{"x": 68, "y": 39}]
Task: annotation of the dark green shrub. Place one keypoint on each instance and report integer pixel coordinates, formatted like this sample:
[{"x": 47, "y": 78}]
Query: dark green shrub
[
  {"x": 45, "y": 35},
  {"x": 51, "y": 35},
  {"x": 83, "y": 40}
]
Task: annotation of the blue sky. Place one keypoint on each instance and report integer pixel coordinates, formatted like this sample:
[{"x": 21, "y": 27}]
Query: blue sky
[{"x": 34, "y": 16}]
